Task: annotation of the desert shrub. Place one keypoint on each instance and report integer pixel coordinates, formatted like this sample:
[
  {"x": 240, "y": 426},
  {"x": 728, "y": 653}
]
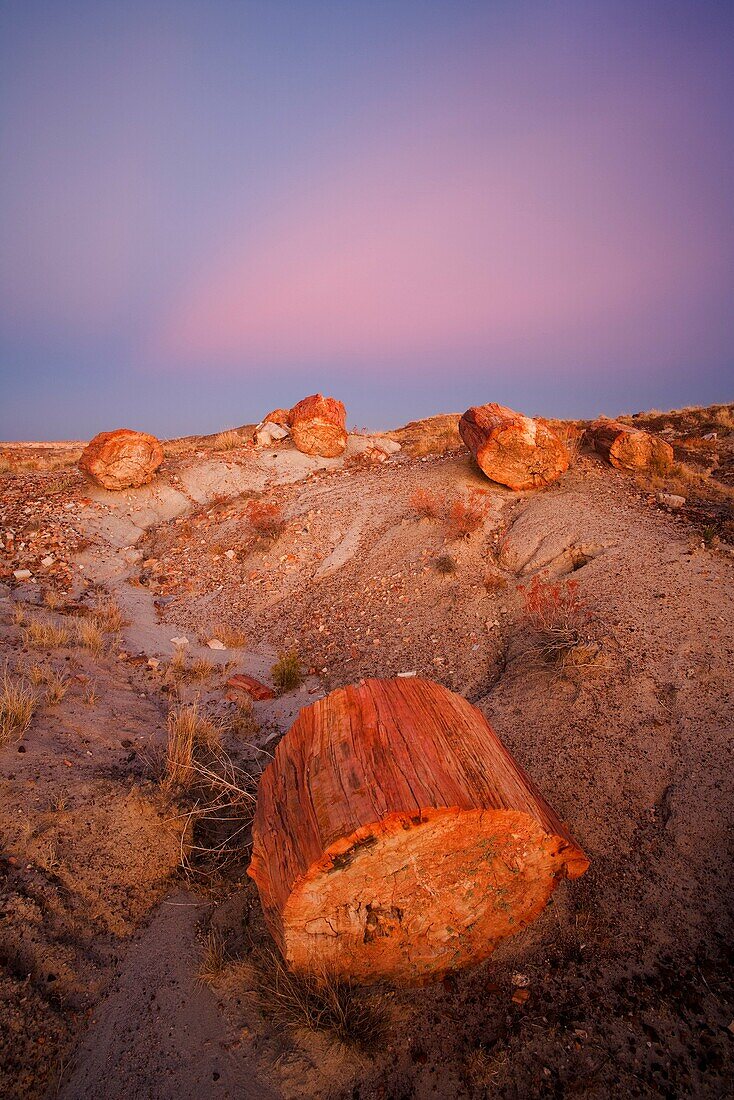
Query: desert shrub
[
  {"x": 17, "y": 707},
  {"x": 465, "y": 516},
  {"x": 53, "y": 600},
  {"x": 19, "y": 614},
  {"x": 243, "y": 723},
  {"x": 557, "y": 615},
  {"x": 446, "y": 565},
  {"x": 286, "y": 672},
  {"x": 424, "y": 504},
  {"x": 44, "y": 634},
  {"x": 265, "y": 519},
  {"x": 323, "y": 1003}
]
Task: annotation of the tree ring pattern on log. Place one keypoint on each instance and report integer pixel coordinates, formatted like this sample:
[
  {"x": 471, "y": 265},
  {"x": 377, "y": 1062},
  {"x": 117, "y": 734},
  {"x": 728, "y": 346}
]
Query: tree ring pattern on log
[
  {"x": 395, "y": 836},
  {"x": 422, "y": 904}
]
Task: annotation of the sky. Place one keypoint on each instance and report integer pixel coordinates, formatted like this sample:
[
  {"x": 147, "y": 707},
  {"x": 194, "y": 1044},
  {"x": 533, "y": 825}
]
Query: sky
[{"x": 211, "y": 208}]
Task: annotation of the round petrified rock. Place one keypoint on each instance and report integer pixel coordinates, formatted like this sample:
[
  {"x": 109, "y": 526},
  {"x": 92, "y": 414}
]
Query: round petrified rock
[
  {"x": 318, "y": 426},
  {"x": 122, "y": 459},
  {"x": 395, "y": 837},
  {"x": 513, "y": 449}
]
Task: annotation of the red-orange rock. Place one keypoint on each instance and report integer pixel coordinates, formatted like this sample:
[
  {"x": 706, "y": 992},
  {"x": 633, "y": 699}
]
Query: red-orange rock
[
  {"x": 628, "y": 448},
  {"x": 318, "y": 426},
  {"x": 282, "y": 417},
  {"x": 252, "y": 687},
  {"x": 122, "y": 459},
  {"x": 395, "y": 837},
  {"x": 513, "y": 449}
]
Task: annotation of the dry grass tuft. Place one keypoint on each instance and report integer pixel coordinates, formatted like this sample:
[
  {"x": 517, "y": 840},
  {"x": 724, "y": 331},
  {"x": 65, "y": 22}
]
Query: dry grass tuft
[
  {"x": 243, "y": 724},
  {"x": 228, "y": 441},
  {"x": 229, "y": 636},
  {"x": 44, "y": 634},
  {"x": 89, "y": 636},
  {"x": 424, "y": 504},
  {"x": 287, "y": 672},
  {"x": 17, "y": 707},
  {"x": 190, "y": 733},
  {"x": 53, "y": 599},
  {"x": 324, "y": 1003},
  {"x": 89, "y": 697},
  {"x": 55, "y": 683},
  {"x": 108, "y": 616},
  {"x": 201, "y": 669},
  {"x": 19, "y": 614},
  {"x": 213, "y": 957}
]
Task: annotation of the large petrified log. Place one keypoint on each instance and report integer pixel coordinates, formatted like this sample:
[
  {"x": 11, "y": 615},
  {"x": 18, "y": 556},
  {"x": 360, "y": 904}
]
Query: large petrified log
[
  {"x": 628, "y": 448},
  {"x": 513, "y": 449},
  {"x": 395, "y": 837},
  {"x": 318, "y": 426},
  {"x": 122, "y": 459}
]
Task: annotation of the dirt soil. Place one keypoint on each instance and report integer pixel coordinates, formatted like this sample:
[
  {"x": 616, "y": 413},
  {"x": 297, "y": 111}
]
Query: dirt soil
[{"x": 115, "y": 905}]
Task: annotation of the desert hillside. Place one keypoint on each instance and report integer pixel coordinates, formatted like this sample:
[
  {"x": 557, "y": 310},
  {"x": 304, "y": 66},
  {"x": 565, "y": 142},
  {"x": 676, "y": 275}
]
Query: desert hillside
[{"x": 134, "y": 958}]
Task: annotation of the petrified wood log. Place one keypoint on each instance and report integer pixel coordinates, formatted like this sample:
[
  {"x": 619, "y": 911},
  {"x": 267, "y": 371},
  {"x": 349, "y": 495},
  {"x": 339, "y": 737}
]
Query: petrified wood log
[
  {"x": 628, "y": 448},
  {"x": 395, "y": 837},
  {"x": 318, "y": 426},
  {"x": 513, "y": 449},
  {"x": 122, "y": 459}
]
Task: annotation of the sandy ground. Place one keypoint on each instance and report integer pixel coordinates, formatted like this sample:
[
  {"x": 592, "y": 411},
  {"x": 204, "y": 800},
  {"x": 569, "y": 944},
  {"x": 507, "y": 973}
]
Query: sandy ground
[{"x": 102, "y": 932}]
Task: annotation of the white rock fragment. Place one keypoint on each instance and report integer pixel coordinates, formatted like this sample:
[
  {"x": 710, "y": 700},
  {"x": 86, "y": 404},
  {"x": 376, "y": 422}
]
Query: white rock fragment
[
  {"x": 22, "y": 574},
  {"x": 671, "y": 500},
  {"x": 231, "y": 554},
  {"x": 180, "y": 641},
  {"x": 214, "y": 643},
  {"x": 48, "y": 560},
  {"x": 407, "y": 675}
]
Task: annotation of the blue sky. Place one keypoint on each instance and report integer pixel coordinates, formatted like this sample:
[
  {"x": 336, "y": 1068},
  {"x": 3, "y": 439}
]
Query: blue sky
[{"x": 209, "y": 209}]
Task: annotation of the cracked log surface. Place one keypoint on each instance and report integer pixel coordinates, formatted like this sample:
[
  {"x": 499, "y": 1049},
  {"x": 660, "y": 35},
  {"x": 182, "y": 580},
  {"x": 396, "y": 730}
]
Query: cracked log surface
[
  {"x": 122, "y": 459},
  {"x": 318, "y": 426},
  {"x": 395, "y": 837},
  {"x": 628, "y": 448},
  {"x": 513, "y": 449}
]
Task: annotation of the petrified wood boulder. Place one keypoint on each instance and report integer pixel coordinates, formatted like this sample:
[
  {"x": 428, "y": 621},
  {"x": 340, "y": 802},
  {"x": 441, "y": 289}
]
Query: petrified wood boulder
[
  {"x": 318, "y": 426},
  {"x": 513, "y": 449},
  {"x": 122, "y": 459},
  {"x": 395, "y": 837},
  {"x": 628, "y": 448}
]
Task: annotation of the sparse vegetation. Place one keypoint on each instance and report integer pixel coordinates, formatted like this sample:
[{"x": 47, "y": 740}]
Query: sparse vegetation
[
  {"x": 229, "y": 440},
  {"x": 287, "y": 673},
  {"x": 53, "y": 599},
  {"x": 44, "y": 634},
  {"x": 229, "y": 636},
  {"x": 465, "y": 516},
  {"x": 558, "y": 617},
  {"x": 266, "y": 519},
  {"x": 108, "y": 616},
  {"x": 446, "y": 564},
  {"x": 201, "y": 669},
  {"x": 190, "y": 732},
  {"x": 55, "y": 683},
  {"x": 213, "y": 957},
  {"x": 325, "y": 1004},
  {"x": 17, "y": 706},
  {"x": 494, "y": 582},
  {"x": 89, "y": 696},
  {"x": 424, "y": 504},
  {"x": 19, "y": 614},
  {"x": 88, "y": 635}
]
